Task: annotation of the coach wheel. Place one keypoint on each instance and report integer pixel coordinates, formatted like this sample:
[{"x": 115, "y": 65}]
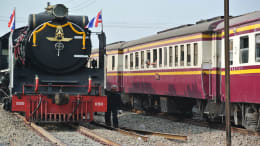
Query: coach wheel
[{"x": 251, "y": 118}]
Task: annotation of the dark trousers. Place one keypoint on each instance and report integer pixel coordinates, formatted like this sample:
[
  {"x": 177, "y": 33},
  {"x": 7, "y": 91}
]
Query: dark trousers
[{"x": 108, "y": 117}]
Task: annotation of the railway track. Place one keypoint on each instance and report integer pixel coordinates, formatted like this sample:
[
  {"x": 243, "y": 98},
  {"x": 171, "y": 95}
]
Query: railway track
[
  {"x": 218, "y": 126},
  {"x": 142, "y": 133},
  {"x": 67, "y": 134},
  {"x": 244, "y": 131},
  {"x": 125, "y": 132}
]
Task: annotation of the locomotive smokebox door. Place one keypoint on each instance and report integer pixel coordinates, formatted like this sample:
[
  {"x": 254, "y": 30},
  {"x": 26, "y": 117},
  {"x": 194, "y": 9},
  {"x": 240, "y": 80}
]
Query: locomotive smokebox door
[
  {"x": 62, "y": 44},
  {"x": 60, "y": 38}
]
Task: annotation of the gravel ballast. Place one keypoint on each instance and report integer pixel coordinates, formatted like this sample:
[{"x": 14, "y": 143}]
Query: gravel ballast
[
  {"x": 14, "y": 130},
  {"x": 70, "y": 136},
  {"x": 196, "y": 135}
]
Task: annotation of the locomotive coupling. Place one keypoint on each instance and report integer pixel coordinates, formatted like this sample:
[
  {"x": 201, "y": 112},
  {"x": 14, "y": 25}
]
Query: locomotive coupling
[{"x": 61, "y": 98}]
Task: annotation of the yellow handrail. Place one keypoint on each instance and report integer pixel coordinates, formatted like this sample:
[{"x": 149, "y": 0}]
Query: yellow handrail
[{"x": 55, "y": 26}]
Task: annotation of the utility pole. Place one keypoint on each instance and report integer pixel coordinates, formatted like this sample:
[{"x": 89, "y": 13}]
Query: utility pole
[{"x": 227, "y": 73}]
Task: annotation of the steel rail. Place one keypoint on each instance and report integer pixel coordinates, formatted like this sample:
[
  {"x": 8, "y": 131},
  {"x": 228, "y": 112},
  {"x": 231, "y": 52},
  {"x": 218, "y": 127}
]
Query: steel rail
[
  {"x": 165, "y": 135},
  {"x": 245, "y": 131},
  {"x": 125, "y": 132},
  {"x": 88, "y": 133},
  {"x": 134, "y": 132},
  {"x": 145, "y": 138},
  {"x": 12, "y": 143},
  {"x": 42, "y": 132}
]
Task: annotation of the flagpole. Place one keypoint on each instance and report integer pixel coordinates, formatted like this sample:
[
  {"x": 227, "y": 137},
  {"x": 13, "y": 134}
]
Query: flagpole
[
  {"x": 11, "y": 57},
  {"x": 101, "y": 21}
]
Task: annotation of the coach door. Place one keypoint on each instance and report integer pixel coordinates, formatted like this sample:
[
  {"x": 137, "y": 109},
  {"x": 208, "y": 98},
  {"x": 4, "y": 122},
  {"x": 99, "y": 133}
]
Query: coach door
[{"x": 206, "y": 78}]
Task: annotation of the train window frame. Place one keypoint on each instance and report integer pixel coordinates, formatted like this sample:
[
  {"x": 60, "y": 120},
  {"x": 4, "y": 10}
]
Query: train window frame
[
  {"x": 142, "y": 59},
  {"x": 155, "y": 58},
  {"x": 182, "y": 55},
  {"x": 113, "y": 62},
  {"x": 176, "y": 50},
  {"x": 131, "y": 61},
  {"x": 148, "y": 58},
  {"x": 136, "y": 60},
  {"x": 244, "y": 49},
  {"x": 160, "y": 57},
  {"x": 170, "y": 56},
  {"x": 165, "y": 52},
  {"x": 231, "y": 51},
  {"x": 195, "y": 54},
  {"x": 126, "y": 61},
  {"x": 257, "y": 50},
  {"x": 188, "y": 54}
]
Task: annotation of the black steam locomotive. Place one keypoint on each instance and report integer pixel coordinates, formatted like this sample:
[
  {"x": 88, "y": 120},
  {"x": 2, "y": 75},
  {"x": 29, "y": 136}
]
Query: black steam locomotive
[{"x": 45, "y": 73}]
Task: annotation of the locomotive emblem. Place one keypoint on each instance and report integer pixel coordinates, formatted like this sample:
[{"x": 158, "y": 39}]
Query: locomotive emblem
[
  {"x": 59, "y": 36},
  {"x": 59, "y": 47}
]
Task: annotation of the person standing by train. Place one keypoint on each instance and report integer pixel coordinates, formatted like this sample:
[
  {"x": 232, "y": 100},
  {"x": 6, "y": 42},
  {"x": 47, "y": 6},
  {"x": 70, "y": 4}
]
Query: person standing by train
[{"x": 113, "y": 104}]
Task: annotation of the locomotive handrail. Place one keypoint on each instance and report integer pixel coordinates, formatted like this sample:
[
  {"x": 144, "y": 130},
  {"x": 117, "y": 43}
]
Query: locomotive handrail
[
  {"x": 31, "y": 85},
  {"x": 89, "y": 87}
]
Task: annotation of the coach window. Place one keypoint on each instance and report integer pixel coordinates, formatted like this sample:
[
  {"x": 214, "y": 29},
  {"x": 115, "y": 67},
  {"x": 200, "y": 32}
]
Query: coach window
[
  {"x": 176, "y": 55},
  {"x": 188, "y": 55},
  {"x": 231, "y": 52},
  {"x": 182, "y": 55},
  {"x": 244, "y": 44},
  {"x": 136, "y": 60},
  {"x": 131, "y": 61},
  {"x": 126, "y": 61},
  {"x": 257, "y": 48},
  {"x": 195, "y": 57},
  {"x": 154, "y": 58},
  {"x": 170, "y": 56},
  {"x": 165, "y": 56},
  {"x": 142, "y": 59},
  {"x": 160, "y": 57},
  {"x": 148, "y": 58},
  {"x": 113, "y": 62}
]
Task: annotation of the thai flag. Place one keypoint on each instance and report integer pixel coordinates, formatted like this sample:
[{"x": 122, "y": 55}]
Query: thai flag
[
  {"x": 91, "y": 23},
  {"x": 98, "y": 19},
  {"x": 95, "y": 21},
  {"x": 11, "y": 23}
]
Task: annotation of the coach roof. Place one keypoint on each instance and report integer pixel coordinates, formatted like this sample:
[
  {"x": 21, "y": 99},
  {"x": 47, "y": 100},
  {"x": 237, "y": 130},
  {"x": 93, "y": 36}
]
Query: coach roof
[
  {"x": 201, "y": 26},
  {"x": 115, "y": 45},
  {"x": 241, "y": 19}
]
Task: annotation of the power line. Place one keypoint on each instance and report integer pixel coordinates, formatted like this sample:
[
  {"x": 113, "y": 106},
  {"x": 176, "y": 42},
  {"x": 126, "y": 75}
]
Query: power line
[
  {"x": 134, "y": 27},
  {"x": 82, "y": 3},
  {"x": 84, "y": 7}
]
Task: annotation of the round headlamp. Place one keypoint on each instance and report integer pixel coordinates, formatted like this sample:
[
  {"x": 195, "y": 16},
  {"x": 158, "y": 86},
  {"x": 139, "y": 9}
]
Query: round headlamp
[{"x": 60, "y": 11}]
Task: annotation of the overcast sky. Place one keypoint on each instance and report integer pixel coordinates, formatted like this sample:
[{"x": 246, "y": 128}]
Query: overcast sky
[{"x": 126, "y": 20}]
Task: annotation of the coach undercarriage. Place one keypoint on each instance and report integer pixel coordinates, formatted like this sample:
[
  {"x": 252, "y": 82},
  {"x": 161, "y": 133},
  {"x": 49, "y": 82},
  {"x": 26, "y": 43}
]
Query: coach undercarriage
[{"x": 242, "y": 114}]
